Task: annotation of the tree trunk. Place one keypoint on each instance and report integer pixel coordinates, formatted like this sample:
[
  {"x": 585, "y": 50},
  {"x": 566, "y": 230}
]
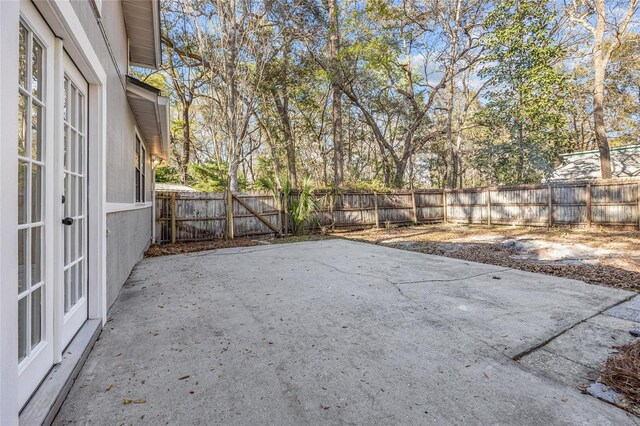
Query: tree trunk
[
  {"x": 520, "y": 139},
  {"x": 600, "y": 65},
  {"x": 453, "y": 173},
  {"x": 232, "y": 111},
  {"x": 334, "y": 48},
  {"x": 401, "y": 168},
  {"x": 186, "y": 141}
]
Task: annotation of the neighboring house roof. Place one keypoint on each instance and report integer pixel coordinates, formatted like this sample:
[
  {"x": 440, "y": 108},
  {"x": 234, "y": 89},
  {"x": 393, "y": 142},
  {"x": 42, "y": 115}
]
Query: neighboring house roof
[
  {"x": 173, "y": 187},
  {"x": 585, "y": 165},
  {"x": 152, "y": 115},
  {"x": 142, "y": 20}
]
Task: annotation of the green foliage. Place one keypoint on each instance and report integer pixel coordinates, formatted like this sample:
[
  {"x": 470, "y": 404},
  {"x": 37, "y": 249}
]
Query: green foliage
[
  {"x": 154, "y": 79},
  {"x": 212, "y": 177},
  {"x": 266, "y": 179},
  {"x": 303, "y": 204},
  {"x": 525, "y": 96},
  {"x": 303, "y": 207},
  {"x": 166, "y": 174}
]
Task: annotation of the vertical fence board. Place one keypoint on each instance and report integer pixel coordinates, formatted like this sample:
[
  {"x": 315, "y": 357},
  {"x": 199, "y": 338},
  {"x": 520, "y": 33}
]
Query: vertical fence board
[{"x": 201, "y": 216}]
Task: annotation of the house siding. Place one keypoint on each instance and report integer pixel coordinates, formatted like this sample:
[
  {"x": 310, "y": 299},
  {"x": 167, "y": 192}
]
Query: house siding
[
  {"x": 123, "y": 251},
  {"x": 118, "y": 229},
  {"x": 128, "y": 232}
]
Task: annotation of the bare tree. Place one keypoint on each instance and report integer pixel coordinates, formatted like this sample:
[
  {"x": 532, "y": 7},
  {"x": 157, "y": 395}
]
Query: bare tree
[
  {"x": 608, "y": 33},
  {"x": 336, "y": 93}
]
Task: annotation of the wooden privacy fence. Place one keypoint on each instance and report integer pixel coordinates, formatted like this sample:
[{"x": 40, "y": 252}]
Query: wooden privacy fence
[
  {"x": 201, "y": 216},
  {"x": 197, "y": 216}
]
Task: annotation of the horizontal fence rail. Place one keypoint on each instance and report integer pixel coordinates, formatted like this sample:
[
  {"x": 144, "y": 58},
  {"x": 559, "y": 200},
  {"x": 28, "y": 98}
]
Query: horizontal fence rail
[{"x": 195, "y": 216}]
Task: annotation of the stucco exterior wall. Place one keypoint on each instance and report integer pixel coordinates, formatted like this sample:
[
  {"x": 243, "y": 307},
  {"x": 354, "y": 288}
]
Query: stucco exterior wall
[{"x": 123, "y": 250}]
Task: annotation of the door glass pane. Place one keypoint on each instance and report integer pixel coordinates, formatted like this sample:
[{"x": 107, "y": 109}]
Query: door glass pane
[
  {"x": 80, "y": 223},
  {"x": 36, "y": 193},
  {"x": 71, "y": 149},
  {"x": 81, "y": 112},
  {"x": 22, "y": 67},
  {"x": 36, "y": 131},
  {"x": 67, "y": 285},
  {"x": 22, "y": 260},
  {"x": 22, "y": 328},
  {"x": 22, "y": 125},
  {"x": 66, "y": 145},
  {"x": 72, "y": 107},
  {"x": 36, "y": 71},
  {"x": 67, "y": 234},
  {"x": 80, "y": 196},
  {"x": 66, "y": 99},
  {"x": 66, "y": 195},
  {"x": 36, "y": 255},
  {"x": 73, "y": 241},
  {"x": 22, "y": 195},
  {"x": 73, "y": 285},
  {"x": 36, "y": 317},
  {"x": 81, "y": 279},
  {"x": 80, "y": 153}
]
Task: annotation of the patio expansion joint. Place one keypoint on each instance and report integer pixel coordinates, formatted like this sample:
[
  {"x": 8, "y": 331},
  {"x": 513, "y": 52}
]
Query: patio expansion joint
[{"x": 542, "y": 344}]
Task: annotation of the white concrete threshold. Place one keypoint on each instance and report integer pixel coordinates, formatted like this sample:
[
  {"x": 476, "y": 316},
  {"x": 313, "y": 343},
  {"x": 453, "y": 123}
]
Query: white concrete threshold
[{"x": 46, "y": 402}]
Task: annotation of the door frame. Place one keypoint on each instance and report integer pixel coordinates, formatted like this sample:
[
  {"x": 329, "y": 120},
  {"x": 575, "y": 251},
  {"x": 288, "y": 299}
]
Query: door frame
[{"x": 61, "y": 17}]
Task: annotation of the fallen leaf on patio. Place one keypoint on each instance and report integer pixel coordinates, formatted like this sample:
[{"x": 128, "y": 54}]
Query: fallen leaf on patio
[
  {"x": 109, "y": 387},
  {"x": 134, "y": 401},
  {"x": 486, "y": 375}
]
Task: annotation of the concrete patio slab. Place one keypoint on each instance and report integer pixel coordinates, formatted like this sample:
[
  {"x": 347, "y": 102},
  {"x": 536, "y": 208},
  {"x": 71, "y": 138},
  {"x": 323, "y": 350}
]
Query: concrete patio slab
[{"x": 334, "y": 332}]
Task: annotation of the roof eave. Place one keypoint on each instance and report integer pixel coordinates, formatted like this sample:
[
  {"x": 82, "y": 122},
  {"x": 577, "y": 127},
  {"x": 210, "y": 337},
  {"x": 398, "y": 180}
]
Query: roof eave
[
  {"x": 151, "y": 112},
  {"x": 142, "y": 21}
]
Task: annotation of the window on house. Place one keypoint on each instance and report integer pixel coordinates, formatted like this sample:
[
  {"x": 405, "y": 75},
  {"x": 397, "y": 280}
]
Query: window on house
[{"x": 140, "y": 171}]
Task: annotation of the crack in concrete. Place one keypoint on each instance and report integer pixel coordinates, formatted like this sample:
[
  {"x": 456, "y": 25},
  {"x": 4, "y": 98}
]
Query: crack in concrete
[
  {"x": 451, "y": 323},
  {"x": 519, "y": 356},
  {"x": 455, "y": 279},
  {"x": 426, "y": 308},
  {"x": 412, "y": 282}
]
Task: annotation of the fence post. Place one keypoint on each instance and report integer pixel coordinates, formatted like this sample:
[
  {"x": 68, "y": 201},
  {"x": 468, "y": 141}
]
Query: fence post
[
  {"x": 415, "y": 210},
  {"x": 638, "y": 206},
  {"x": 489, "y": 206},
  {"x": 589, "y": 205},
  {"x": 229, "y": 214},
  {"x": 285, "y": 207},
  {"x": 550, "y": 197},
  {"x": 173, "y": 217},
  {"x": 444, "y": 205},
  {"x": 375, "y": 208}
]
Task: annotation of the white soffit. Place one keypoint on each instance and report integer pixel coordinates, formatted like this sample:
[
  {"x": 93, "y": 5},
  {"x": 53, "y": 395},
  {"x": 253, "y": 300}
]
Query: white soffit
[
  {"x": 151, "y": 112},
  {"x": 142, "y": 20}
]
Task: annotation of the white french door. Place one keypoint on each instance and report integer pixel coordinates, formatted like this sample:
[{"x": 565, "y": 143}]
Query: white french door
[
  {"x": 74, "y": 199},
  {"x": 52, "y": 201},
  {"x": 35, "y": 218}
]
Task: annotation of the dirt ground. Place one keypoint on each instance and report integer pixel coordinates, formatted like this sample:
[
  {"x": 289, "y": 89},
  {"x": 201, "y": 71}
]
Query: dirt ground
[
  {"x": 179, "y": 248},
  {"x": 604, "y": 257}
]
